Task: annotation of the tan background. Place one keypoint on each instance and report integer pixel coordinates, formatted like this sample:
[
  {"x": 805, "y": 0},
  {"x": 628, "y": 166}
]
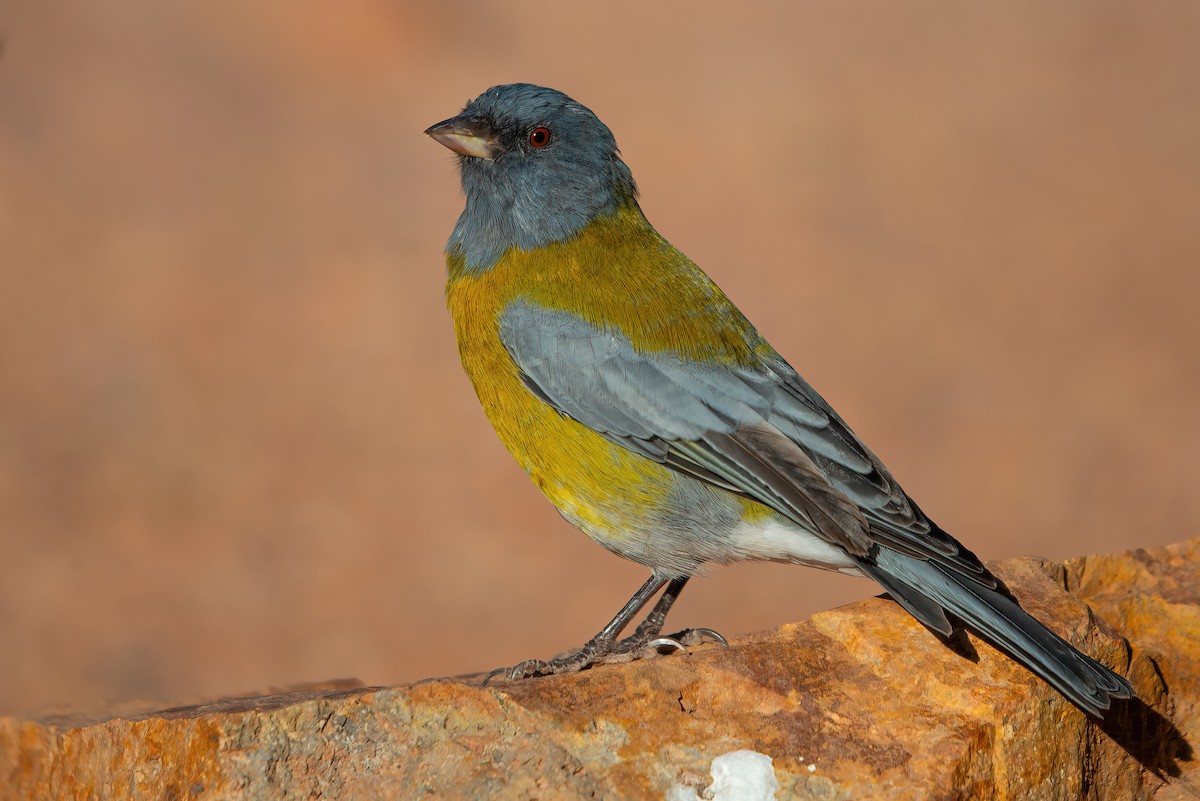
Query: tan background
[{"x": 236, "y": 448}]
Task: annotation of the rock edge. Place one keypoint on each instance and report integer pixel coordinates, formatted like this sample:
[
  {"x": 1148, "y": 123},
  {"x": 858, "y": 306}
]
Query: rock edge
[{"x": 856, "y": 703}]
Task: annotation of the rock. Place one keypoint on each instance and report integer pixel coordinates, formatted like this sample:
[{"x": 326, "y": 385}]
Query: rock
[{"x": 856, "y": 703}]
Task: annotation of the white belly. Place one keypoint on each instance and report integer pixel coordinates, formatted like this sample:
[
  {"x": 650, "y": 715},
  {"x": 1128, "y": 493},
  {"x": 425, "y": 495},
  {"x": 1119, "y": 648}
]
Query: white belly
[{"x": 778, "y": 541}]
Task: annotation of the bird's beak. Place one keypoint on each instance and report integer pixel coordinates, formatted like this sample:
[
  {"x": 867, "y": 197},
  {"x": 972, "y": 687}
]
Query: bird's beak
[{"x": 466, "y": 135}]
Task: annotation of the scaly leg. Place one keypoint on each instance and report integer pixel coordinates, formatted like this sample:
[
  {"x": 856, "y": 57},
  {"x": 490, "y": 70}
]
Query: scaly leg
[
  {"x": 646, "y": 634},
  {"x": 604, "y": 647}
]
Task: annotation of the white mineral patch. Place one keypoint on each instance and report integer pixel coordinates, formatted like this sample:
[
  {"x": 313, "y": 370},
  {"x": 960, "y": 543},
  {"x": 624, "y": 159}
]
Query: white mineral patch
[
  {"x": 737, "y": 776},
  {"x": 681, "y": 792}
]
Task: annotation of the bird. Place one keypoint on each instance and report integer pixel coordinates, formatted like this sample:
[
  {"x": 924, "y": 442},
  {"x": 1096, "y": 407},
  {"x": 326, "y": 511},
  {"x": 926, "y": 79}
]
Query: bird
[{"x": 656, "y": 418}]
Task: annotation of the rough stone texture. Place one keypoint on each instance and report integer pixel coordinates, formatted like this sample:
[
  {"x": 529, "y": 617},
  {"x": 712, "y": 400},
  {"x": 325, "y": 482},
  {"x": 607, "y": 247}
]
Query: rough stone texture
[{"x": 856, "y": 703}]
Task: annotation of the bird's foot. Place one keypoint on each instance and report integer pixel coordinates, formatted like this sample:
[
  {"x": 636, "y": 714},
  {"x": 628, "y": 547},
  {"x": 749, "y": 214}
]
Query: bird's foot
[
  {"x": 641, "y": 643},
  {"x": 698, "y": 636},
  {"x": 590, "y": 654},
  {"x": 644, "y": 642}
]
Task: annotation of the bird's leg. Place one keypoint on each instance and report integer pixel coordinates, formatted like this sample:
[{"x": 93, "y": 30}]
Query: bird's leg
[
  {"x": 646, "y": 634},
  {"x": 596, "y": 648},
  {"x": 649, "y": 628}
]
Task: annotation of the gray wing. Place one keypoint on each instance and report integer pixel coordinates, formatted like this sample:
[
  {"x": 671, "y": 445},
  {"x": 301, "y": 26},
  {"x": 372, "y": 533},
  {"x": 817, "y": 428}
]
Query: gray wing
[
  {"x": 766, "y": 434},
  {"x": 760, "y": 432}
]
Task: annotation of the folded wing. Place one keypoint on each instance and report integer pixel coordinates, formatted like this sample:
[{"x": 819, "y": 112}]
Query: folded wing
[{"x": 760, "y": 431}]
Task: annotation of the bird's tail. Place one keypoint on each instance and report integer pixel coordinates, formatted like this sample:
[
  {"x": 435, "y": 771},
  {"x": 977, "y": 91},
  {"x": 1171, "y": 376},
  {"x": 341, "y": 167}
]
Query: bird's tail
[{"x": 919, "y": 584}]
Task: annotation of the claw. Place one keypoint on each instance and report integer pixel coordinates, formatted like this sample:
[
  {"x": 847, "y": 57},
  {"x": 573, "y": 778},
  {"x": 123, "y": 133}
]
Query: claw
[
  {"x": 530, "y": 667},
  {"x": 666, "y": 642},
  {"x": 499, "y": 672},
  {"x": 714, "y": 636},
  {"x": 699, "y": 636}
]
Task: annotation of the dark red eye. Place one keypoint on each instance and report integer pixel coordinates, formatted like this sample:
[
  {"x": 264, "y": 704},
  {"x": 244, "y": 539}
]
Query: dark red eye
[{"x": 539, "y": 137}]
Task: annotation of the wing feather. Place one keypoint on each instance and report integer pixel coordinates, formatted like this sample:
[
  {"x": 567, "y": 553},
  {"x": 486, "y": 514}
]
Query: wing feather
[{"x": 761, "y": 432}]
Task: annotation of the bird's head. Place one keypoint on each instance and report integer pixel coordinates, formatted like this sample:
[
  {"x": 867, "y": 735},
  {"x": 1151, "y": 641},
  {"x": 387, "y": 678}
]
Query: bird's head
[{"x": 536, "y": 168}]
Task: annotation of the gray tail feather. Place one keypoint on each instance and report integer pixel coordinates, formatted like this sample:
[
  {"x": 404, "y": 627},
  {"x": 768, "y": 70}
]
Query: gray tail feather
[{"x": 925, "y": 591}]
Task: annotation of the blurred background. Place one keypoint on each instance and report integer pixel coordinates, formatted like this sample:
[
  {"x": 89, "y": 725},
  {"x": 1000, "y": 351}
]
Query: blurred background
[{"x": 237, "y": 449}]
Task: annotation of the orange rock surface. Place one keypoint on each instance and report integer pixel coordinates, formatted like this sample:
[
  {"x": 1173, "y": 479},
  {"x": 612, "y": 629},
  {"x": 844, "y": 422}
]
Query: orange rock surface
[{"x": 858, "y": 702}]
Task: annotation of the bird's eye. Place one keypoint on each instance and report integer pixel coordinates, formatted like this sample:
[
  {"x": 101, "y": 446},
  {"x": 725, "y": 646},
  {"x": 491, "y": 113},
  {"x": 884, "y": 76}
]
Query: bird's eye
[{"x": 539, "y": 137}]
